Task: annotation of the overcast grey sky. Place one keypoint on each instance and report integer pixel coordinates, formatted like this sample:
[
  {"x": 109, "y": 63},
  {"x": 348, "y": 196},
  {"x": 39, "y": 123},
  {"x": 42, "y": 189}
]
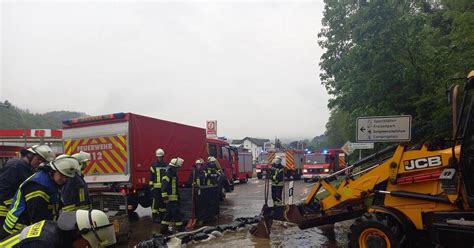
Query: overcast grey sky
[{"x": 252, "y": 66}]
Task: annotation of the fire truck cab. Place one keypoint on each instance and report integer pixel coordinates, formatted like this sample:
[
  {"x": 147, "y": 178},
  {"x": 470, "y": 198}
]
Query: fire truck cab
[{"x": 322, "y": 163}]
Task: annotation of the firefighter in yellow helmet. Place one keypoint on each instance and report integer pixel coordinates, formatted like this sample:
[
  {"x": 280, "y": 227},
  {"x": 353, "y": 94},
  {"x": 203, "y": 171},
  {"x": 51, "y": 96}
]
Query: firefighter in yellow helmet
[
  {"x": 170, "y": 194},
  {"x": 75, "y": 193},
  {"x": 38, "y": 196},
  {"x": 81, "y": 228},
  {"x": 17, "y": 170},
  {"x": 158, "y": 170}
]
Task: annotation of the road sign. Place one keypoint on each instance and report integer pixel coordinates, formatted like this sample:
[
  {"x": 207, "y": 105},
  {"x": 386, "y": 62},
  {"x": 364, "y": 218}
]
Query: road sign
[
  {"x": 361, "y": 146},
  {"x": 211, "y": 129},
  {"x": 384, "y": 128},
  {"x": 347, "y": 149}
]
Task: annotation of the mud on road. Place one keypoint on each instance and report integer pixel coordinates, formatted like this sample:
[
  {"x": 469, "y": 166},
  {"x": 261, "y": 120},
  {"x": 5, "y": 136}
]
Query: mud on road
[{"x": 247, "y": 201}]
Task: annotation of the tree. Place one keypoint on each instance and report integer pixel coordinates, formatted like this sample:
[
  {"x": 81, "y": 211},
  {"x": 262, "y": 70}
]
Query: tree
[{"x": 391, "y": 58}]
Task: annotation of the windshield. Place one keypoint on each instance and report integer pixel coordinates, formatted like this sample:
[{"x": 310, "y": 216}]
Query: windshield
[
  {"x": 262, "y": 159},
  {"x": 316, "y": 159}
]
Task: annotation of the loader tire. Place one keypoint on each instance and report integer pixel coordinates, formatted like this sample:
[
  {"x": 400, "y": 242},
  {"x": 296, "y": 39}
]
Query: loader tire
[{"x": 376, "y": 230}]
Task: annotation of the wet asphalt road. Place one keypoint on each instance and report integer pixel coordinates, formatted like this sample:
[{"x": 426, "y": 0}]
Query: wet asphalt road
[{"x": 247, "y": 201}]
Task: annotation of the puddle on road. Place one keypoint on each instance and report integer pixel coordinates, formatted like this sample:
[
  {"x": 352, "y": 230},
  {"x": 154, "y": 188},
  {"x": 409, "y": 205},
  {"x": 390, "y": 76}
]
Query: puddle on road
[
  {"x": 246, "y": 201},
  {"x": 285, "y": 236}
]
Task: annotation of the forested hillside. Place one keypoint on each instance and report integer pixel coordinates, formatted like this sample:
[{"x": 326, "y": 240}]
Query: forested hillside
[
  {"x": 12, "y": 117},
  {"x": 394, "y": 57}
]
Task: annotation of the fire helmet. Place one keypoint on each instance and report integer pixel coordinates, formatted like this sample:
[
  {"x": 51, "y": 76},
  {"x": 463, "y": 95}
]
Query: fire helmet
[
  {"x": 95, "y": 227},
  {"x": 43, "y": 151},
  {"x": 66, "y": 165},
  {"x": 159, "y": 152},
  {"x": 211, "y": 159},
  {"x": 176, "y": 162}
]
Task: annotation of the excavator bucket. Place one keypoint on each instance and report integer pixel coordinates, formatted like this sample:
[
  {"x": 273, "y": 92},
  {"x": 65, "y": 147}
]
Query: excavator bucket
[
  {"x": 262, "y": 229},
  {"x": 293, "y": 214},
  {"x": 289, "y": 213},
  {"x": 264, "y": 226}
]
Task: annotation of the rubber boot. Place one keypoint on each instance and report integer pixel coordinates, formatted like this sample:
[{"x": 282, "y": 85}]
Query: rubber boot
[
  {"x": 156, "y": 218},
  {"x": 164, "y": 229},
  {"x": 161, "y": 215}
]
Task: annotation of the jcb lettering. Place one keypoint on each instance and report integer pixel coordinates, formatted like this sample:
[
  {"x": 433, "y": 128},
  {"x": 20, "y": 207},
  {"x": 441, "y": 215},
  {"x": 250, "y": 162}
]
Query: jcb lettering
[
  {"x": 422, "y": 163},
  {"x": 434, "y": 161}
]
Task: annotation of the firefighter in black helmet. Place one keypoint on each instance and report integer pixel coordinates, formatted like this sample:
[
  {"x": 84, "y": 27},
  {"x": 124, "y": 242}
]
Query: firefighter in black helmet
[
  {"x": 170, "y": 194},
  {"x": 158, "y": 170},
  {"x": 18, "y": 170}
]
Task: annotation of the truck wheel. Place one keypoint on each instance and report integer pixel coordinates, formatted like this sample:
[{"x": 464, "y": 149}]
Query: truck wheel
[
  {"x": 244, "y": 180},
  {"x": 374, "y": 230}
]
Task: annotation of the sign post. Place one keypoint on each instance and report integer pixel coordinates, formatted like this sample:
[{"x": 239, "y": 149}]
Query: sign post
[
  {"x": 211, "y": 129},
  {"x": 290, "y": 193},
  {"x": 384, "y": 128}
]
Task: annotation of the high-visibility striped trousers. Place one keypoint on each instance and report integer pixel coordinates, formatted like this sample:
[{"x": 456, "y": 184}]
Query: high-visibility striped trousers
[
  {"x": 158, "y": 206},
  {"x": 173, "y": 214}
]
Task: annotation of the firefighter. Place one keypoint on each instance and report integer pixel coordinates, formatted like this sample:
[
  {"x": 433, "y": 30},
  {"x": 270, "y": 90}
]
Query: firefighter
[
  {"x": 18, "y": 170},
  {"x": 212, "y": 172},
  {"x": 170, "y": 196},
  {"x": 38, "y": 196},
  {"x": 158, "y": 170},
  {"x": 81, "y": 228},
  {"x": 276, "y": 175},
  {"x": 197, "y": 176},
  {"x": 75, "y": 193}
]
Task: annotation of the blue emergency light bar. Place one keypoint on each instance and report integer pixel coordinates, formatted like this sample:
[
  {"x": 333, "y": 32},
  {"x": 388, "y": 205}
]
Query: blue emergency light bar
[{"x": 116, "y": 116}]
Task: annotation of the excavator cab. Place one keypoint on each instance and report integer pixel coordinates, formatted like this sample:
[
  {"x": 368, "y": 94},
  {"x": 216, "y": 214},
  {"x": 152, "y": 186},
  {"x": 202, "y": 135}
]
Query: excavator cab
[{"x": 467, "y": 136}]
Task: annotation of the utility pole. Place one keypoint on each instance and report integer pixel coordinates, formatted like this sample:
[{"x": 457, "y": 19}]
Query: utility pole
[{"x": 9, "y": 106}]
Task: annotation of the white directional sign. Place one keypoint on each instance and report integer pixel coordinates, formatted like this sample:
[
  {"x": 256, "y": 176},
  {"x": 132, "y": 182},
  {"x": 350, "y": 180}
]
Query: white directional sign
[
  {"x": 384, "y": 128},
  {"x": 347, "y": 149},
  {"x": 361, "y": 146}
]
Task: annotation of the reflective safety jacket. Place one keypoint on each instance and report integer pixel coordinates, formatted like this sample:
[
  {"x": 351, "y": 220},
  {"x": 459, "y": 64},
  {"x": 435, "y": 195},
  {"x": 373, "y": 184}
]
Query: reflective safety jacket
[
  {"x": 276, "y": 173},
  {"x": 212, "y": 175},
  {"x": 158, "y": 170},
  {"x": 43, "y": 234},
  {"x": 13, "y": 173},
  {"x": 75, "y": 194},
  {"x": 170, "y": 185},
  {"x": 37, "y": 199},
  {"x": 199, "y": 177}
]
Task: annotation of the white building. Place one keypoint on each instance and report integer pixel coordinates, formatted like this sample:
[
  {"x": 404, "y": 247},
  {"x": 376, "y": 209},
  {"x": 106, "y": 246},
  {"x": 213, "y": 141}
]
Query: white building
[{"x": 254, "y": 145}]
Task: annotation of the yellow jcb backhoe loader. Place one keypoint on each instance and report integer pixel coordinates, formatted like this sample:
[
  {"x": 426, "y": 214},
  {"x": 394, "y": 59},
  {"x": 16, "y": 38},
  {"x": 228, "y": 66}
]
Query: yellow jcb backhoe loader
[{"x": 400, "y": 195}]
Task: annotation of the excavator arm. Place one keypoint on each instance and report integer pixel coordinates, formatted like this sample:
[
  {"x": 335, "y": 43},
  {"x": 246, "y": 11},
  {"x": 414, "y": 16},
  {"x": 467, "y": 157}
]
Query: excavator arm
[{"x": 345, "y": 195}]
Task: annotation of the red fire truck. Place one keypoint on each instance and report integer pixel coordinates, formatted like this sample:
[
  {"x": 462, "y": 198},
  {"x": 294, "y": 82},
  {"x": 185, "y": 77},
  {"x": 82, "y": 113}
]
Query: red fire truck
[
  {"x": 292, "y": 160},
  {"x": 321, "y": 164},
  {"x": 123, "y": 145}
]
